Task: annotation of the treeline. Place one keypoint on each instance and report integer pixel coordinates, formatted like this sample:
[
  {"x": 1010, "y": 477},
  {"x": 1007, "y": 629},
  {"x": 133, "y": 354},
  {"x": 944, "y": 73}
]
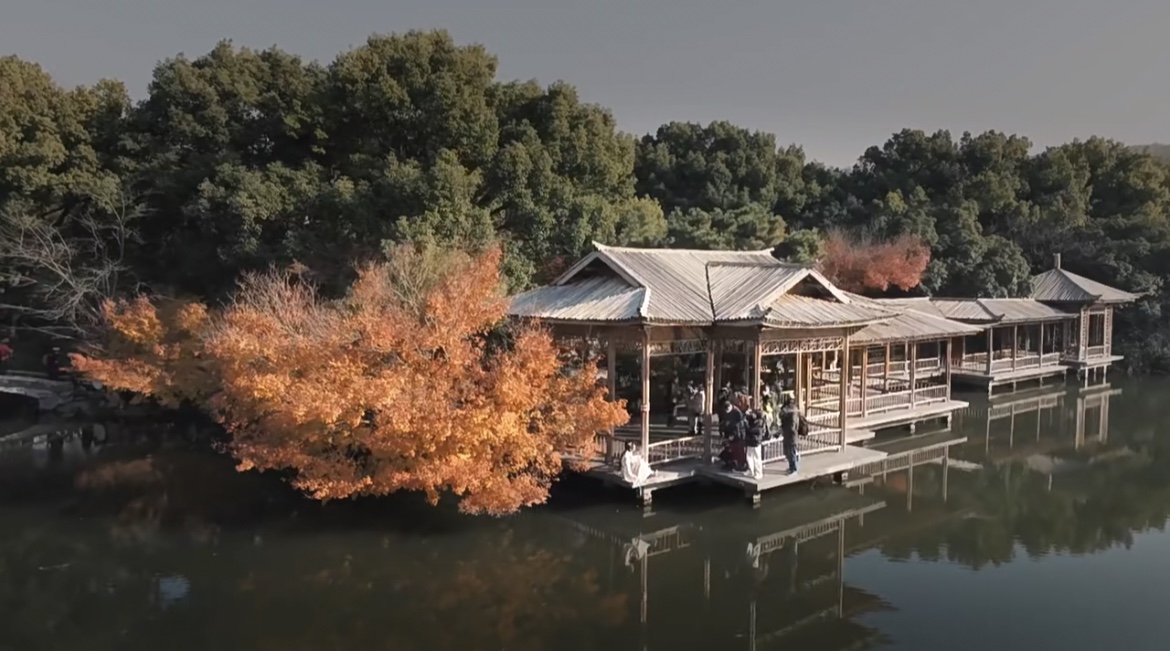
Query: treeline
[{"x": 243, "y": 159}]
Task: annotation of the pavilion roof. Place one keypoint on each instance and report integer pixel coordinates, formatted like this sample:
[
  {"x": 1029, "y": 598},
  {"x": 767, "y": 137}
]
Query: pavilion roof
[
  {"x": 620, "y": 285},
  {"x": 1062, "y": 286}
]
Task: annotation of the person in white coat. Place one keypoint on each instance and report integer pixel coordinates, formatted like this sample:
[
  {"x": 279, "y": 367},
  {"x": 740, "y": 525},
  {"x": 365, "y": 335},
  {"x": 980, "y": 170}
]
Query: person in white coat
[{"x": 635, "y": 469}]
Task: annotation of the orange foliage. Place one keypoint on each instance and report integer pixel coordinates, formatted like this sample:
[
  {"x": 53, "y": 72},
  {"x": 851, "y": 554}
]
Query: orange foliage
[
  {"x": 860, "y": 264},
  {"x": 153, "y": 349},
  {"x": 392, "y": 388}
]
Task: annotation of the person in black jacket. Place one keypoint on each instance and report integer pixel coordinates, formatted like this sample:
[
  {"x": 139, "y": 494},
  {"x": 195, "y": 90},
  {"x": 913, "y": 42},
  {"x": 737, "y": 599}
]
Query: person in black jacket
[
  {"x": 733, "y": 427},
  {"x": 791, "y": 423}
]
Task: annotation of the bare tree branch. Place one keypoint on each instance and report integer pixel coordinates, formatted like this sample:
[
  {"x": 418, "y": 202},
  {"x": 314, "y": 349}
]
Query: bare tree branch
[{"x": 57, "y": 269}]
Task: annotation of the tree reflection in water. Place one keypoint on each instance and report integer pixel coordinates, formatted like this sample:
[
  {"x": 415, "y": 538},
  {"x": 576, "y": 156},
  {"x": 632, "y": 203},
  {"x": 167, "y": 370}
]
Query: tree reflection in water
[{"x": 179, "y": 550}]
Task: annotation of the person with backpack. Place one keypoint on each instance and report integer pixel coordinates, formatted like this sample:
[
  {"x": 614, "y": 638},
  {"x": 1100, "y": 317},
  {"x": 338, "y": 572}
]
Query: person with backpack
[
  {"x": 733, "y": 427},
  {"x": 792, "y": 423}
]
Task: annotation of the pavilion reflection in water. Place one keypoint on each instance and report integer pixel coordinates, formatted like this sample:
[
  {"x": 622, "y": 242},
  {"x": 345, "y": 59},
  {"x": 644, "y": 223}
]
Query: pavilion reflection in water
[
  {"x": 1049, "y": 430},
  {"x": 776, "y": 574}
]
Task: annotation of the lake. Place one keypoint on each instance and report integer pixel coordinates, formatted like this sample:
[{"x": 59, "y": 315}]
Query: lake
[{"x": 1044, "y": 529}]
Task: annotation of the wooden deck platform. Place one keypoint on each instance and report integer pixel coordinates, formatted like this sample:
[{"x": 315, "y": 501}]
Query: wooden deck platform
[
  {"x": 813, "y": 466},
  {"x": 910, "y": 416},
  {"x": 1007, "y": 377}
]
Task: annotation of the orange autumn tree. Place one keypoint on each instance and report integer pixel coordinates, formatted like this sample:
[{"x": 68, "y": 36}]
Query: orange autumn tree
[
  {"x": 396, "y": 386},
  {"x": 861, "y": 264},
  {"x": 153, "y": 349}
]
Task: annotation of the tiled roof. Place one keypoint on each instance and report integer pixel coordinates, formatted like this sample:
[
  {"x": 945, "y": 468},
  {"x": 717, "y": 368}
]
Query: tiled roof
[
  {"x": 983, "y": 311},
  {"x": 592, "y": 299},
  {"x": 915, "y": 320},
  {"x": 1061, "y": 286},
  {"x": 792, "y": 311},
  {"x": 696, "y": 287}
]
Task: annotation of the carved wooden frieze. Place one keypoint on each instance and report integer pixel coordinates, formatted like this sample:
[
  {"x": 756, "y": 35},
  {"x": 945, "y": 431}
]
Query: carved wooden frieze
[{"x": 811, "y": 345}]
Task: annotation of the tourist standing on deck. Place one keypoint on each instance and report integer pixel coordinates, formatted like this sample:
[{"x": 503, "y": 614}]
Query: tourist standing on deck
[
  {"x": 791, "y": 423},
  {"x": 752, "y": 441},
  {"x": 732, "y": 424},
  {"x": 696, "y": 407},
  {"x": 5, "y": 355}
]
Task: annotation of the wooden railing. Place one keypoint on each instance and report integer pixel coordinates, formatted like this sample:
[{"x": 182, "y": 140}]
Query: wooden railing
[
  {"x": 1002, "y": 361},
  {"x": 923, "y": 367},
  {"x": 1095, "y": 351},
  {"x": 686, "y": 447}
]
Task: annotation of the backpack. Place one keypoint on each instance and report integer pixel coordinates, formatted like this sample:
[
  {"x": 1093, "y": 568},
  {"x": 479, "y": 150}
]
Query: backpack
[{"x": 801, "y": 425}]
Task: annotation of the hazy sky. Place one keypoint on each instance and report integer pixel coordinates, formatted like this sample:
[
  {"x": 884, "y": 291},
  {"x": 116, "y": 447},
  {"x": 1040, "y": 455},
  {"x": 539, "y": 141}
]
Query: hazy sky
[{"x": 832, "y": 75}]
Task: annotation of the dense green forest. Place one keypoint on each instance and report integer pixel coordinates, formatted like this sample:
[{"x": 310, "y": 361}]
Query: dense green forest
[{"x": 240, "y": 159}]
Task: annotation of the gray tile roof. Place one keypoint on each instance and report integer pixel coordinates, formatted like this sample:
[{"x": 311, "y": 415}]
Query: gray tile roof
[
  {"x": 984, "y": 311},
  {"x": 671, "y": 286},
  {"x": 793, "y": 311},
  {"x": 1062, "y": 286},
  {"x": 914, "y": 320},
  {"x": 689, "y": 287},
  {"x": 592, "y": 299}
]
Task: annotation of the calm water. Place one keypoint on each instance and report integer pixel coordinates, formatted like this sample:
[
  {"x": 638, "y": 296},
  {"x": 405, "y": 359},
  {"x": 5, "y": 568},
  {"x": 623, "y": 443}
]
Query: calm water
[{"x": 1031, "y": 537}]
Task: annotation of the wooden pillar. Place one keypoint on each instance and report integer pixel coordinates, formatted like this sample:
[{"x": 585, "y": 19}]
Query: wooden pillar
[
  {"x": 1108, "y": 330},
  {"x": 611, "y": 369},
  {"x": 843, "y": 406},
  {"x": 864, "y": 379},
  {"x": 1083, "y": 336},
  {"x": 719, "y": 364},
  {"x": 990, "y": 347},
  {"x": 947, "y": 368},
  {"x": 886, "y": 370},
  {"x": 709, "y": 401},
  {"x": 1015, "y": 344},
  {"x": 757, "y": 358},
  {"x": 1040, "y": 346},
  {"x": 646, "y": 392},
  {"x": 912, "y": 348},
  {"x": 962, "y": 349},
  {"x": 798, "y": 380}
]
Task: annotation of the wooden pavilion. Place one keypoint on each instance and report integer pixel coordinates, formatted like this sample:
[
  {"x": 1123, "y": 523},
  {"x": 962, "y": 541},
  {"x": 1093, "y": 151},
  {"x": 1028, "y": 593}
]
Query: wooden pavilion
[
  {"x": 1066, "y": 324},
  {"x": 752, "y": 319}
]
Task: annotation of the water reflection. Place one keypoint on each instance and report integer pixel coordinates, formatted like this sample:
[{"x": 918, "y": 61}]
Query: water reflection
[{"x": 166, "y": 545}]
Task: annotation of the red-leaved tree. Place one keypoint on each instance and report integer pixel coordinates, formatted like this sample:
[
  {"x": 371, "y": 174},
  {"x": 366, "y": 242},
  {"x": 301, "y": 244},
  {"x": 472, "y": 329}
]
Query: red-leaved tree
[{"x": 861, "y": 264}]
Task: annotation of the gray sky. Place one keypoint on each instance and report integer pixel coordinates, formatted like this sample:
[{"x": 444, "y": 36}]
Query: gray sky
[{"x": 832, "y": 75}]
